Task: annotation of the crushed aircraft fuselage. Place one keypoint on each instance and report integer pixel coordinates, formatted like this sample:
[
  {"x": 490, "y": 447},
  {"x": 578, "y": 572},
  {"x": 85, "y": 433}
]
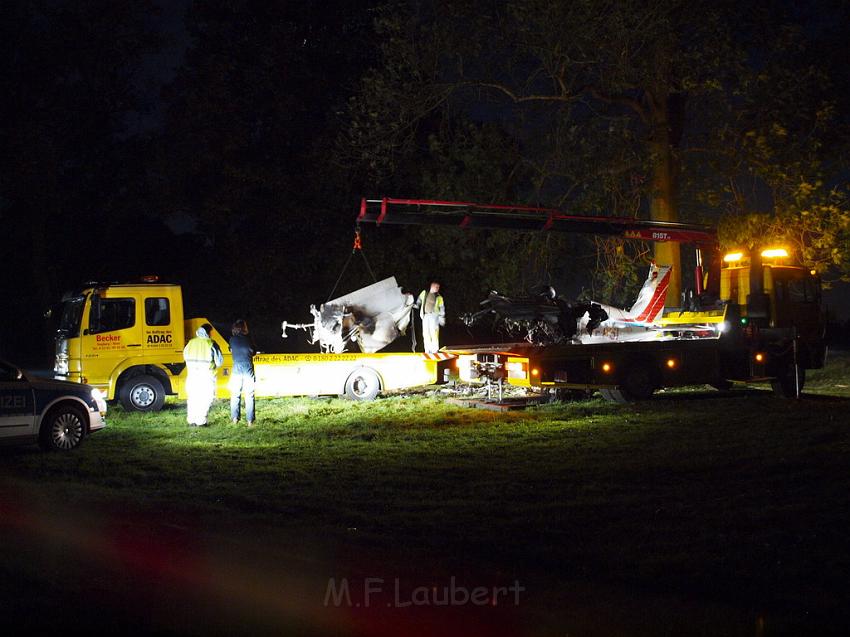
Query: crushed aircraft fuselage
[
  {"x": 544, "y": 318},
  {"x": 373, "y": 317}
]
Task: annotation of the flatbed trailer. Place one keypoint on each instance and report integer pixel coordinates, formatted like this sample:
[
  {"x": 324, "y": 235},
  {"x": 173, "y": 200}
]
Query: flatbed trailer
[
  {"x": 733, "y": 350},
  {"x": 620, "y": 371},
  {"x": 356, "y": 376}
]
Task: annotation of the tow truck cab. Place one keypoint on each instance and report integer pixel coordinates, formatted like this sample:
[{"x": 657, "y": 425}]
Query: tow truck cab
[
  {"x": 125, "y": 339},
  {"x": 780, "y": 305}
]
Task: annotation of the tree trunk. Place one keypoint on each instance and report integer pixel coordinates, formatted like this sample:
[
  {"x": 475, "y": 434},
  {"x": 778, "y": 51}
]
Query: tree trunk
[{"x": 663, "y": 202}]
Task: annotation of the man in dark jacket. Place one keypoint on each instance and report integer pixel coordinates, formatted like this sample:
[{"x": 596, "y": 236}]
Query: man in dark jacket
[{"x": 242, "y": 375}]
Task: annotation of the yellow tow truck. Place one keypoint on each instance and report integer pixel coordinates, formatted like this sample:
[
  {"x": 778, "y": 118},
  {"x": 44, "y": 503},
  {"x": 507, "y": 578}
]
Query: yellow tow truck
[
  {"x": 749, "y": 316},
  {"x": 765, "y": 325},
  {"x": 127, "y": 340}
]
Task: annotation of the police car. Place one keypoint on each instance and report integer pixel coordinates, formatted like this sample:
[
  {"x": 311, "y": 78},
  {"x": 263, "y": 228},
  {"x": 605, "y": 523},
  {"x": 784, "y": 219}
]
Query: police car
[{"x": 56, "y": 414}]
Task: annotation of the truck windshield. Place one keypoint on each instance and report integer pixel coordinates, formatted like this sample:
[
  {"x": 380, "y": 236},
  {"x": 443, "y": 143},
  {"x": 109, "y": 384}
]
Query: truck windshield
[{"x": 69, "y": 320}]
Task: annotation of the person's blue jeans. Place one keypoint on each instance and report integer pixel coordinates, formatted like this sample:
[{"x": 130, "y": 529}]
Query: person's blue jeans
[{"x": 242, "y": 383}]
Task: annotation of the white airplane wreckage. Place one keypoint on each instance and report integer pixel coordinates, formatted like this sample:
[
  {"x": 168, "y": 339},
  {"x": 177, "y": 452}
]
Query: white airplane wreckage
[
  {"x": 544, "y": 318},
  {"x": 375, "y": 316},
  {"x": 371, "y": 317}
]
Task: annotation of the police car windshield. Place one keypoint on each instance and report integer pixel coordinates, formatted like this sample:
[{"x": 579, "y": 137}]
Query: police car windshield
[{"x": 69, "y": 321}]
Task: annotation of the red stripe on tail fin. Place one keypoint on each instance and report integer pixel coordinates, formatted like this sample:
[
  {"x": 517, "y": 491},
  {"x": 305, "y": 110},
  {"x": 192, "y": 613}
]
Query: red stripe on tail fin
[{"x": 656, "y": 303}]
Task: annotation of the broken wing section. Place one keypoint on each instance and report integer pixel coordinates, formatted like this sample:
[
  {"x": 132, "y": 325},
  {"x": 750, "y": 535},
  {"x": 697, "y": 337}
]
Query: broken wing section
[{"x": 373, "y": 317}]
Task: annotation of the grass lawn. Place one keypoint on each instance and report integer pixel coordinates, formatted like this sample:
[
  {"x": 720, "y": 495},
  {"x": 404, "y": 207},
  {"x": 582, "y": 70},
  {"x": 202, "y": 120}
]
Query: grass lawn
[{"x": 694, "y": 513}]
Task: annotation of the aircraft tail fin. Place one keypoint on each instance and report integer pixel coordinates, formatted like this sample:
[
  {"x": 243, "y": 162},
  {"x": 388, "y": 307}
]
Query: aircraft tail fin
[{"x": 653, "y": 294}]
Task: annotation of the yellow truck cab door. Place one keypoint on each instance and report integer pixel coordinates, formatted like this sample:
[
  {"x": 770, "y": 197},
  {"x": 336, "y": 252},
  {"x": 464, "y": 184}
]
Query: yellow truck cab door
[
  {"x": 159, "y": 338},
  {"x": 112, "y": 333}
]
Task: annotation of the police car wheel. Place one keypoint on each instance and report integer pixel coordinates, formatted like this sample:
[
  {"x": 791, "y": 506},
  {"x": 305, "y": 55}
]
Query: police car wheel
[
  {"x": 63, "y": 428},
  {"x": 362, "y": 384},
  {"x": 142, "y": 393}
]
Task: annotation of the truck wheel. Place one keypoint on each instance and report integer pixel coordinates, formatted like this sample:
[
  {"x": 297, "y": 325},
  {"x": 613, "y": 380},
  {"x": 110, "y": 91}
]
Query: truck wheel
[
  {"x": 786, "y": 383},
  {"x": 62, "y": 429},
  {"x": 638, "y": 382},
  {"x": 362, "y": 384},
  {"x": 142, "y": 393}
]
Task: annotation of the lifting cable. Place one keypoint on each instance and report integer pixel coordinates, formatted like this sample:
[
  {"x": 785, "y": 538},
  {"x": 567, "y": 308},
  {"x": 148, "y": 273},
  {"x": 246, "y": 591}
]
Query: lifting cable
[{"x": 356, "y": 247}]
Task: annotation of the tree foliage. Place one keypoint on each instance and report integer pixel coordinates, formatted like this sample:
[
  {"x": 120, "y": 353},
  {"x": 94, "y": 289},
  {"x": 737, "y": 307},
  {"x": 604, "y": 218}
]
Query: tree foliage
[
  {"x": 661, "y": 109},
  {"x": 782, "y": 157}
]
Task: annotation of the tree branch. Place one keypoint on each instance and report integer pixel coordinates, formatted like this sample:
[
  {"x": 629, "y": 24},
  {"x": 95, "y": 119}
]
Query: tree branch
[
  {"x": 622, "y": 100},
  {"x": 566, "y": 97},
  {"x": 528, "y": 98}
]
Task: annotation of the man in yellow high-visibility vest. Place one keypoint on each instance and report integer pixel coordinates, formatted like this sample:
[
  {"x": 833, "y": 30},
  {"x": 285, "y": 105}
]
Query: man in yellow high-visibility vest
[
  {"x": 432, "y": 311},
  {"x": 203, "y": 357}
]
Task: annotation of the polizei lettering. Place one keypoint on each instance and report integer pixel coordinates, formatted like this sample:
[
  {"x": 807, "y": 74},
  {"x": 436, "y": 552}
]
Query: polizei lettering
[
  {"x": 157, "y": 339},
  {"x": 13, "y": 402}
]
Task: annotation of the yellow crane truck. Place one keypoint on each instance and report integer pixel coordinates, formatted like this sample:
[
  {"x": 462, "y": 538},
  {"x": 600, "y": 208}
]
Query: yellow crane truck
[
  {"x": 127, "y": 340},
  {"x": 750, "y": 316},
  {"x": 766, "y": 325}
]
